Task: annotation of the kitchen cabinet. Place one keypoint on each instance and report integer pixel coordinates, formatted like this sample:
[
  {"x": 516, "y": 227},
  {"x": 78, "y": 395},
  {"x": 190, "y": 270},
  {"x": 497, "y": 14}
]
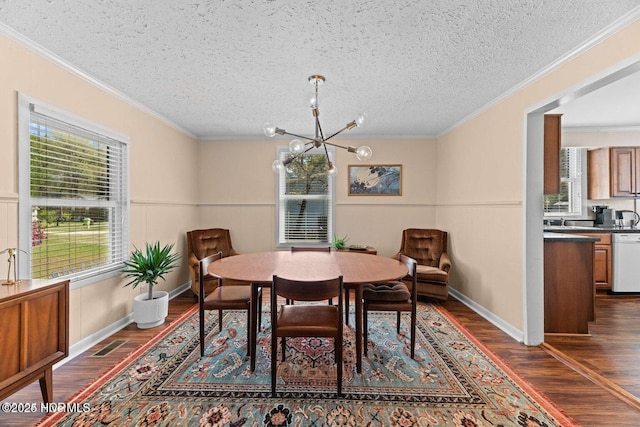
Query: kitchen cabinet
[
  {"x": 552, "y": 143},
  {"x": 34, "y": 326},
  {"x": 602, "y": 260},
  {"x": 625, "y": 167},
  {"x": 613, "y": 172}
]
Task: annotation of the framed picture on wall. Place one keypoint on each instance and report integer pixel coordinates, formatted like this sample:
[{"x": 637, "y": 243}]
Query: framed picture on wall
[{"x": 375, "y": 180}]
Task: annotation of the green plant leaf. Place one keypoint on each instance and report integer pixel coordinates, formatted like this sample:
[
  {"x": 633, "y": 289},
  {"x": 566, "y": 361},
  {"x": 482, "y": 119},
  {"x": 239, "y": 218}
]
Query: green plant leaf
[{"x": 150, "y": 265}]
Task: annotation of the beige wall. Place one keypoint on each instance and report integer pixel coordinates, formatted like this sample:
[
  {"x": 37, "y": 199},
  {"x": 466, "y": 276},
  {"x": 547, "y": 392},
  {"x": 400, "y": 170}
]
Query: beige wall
[
  {"x": 163, "y": 207},
  {"x": 481, "y": 184},
  {"x": 238, "y": 192},
  {"x": 601, "y": 138},
  {"x": 480, "y": 205}
]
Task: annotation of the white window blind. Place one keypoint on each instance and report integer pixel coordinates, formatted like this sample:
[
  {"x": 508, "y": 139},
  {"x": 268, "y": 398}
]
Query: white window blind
[
  {"x": 77, "y": 197},
  {"x": 305, "y": 202},
  {"x": 569, "y": 201}
]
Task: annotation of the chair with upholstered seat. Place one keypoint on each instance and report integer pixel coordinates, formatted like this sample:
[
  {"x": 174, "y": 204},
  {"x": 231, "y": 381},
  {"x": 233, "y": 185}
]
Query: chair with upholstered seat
[
  {"x": 222, "y": 298},
  {"x": 202, "y": 243},
  {"x": 305, "y": 320},
  {"x": 429, "y": 248},
  {"x": 392, "y": 296}
]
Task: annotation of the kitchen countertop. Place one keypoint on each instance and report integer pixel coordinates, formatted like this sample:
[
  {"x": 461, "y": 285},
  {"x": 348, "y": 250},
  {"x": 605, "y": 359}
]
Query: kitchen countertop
[
  {"x": 567, "y": 237},
  {"x": 594, "y": 229}
]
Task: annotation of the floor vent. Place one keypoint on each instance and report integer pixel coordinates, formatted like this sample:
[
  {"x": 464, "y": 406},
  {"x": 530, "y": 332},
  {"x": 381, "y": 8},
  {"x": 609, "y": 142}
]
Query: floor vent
[{"x": 109, "y": 348}]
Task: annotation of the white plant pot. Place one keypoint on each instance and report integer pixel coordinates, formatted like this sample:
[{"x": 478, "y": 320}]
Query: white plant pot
[{"x": 149, "y": 313}]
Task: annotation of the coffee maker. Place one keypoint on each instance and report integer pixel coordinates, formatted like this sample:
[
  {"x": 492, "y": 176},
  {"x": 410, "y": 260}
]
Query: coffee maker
[{"x": 604, "y": 215}]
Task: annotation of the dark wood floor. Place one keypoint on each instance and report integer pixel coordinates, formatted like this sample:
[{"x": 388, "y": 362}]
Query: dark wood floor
[
  {"x": 610, "y": 353},
  {"x": 606, "y": 393}
]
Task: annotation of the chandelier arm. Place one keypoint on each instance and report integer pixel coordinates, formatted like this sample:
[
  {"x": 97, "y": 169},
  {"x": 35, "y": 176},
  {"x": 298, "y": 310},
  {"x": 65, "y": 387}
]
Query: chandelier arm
[
  {"x": 292, "y": 157},
  {"x": 298, "y": 136},
  {"x": 337, "y": 145},
  {"x": 340, "y": 131},
  {"x": 326, "y": 152}
]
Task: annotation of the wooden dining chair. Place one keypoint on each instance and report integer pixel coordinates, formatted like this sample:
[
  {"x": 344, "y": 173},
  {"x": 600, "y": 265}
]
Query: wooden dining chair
[
  {"x": 229, "y": 297},
  {"x": 305, "y": 320},
  {"x": 392, "y": 296},
  {"x": 311, "y": 249},
  {"x": 202, "y": 243}
]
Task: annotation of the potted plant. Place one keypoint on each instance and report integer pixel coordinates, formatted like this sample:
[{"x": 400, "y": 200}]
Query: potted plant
[
  {"x": 340, "y": 242},
  {"x": 148, "y": 266}
]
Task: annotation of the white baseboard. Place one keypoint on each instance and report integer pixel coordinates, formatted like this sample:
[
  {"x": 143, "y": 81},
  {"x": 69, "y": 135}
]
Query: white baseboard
[
  {"x": 93, "y": 339},
  {"x": 505, "y": 327}
]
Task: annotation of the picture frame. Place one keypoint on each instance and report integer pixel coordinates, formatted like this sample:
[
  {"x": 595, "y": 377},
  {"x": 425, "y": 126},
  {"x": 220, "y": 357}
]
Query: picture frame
[{"x": 375, "y": 180}]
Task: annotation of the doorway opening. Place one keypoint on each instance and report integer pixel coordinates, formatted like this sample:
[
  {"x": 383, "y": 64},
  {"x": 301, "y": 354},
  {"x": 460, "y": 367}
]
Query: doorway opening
[{"x": 533, "y": 210}]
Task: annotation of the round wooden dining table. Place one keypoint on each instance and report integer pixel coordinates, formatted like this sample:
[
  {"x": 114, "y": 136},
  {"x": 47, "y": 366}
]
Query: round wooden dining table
[{"x": 355, "y": 268}]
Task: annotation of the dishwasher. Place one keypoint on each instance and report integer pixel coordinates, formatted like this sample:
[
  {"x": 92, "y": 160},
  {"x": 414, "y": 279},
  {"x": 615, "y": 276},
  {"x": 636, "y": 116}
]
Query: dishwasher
[{"x": 626, "y": 262}]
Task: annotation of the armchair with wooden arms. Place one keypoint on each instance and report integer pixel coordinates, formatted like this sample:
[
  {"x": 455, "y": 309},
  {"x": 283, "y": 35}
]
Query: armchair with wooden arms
[
  {"x": 429, "y": 248},
  {"x": 201, "y": 244}
]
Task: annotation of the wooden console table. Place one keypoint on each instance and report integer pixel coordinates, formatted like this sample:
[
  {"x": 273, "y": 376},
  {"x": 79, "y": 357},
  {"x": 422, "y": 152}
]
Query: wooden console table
[
  {"x": 368, "y": 250},
  {"x": 34, "y": 328}
]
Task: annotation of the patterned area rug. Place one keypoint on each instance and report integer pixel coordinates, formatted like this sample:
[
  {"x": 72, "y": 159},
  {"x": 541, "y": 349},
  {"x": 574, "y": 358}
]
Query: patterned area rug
[{"x": 453, "y": 381}]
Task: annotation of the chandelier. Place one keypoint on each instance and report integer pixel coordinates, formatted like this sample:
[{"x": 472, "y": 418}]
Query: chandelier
[{"x": 298, "y": 147}]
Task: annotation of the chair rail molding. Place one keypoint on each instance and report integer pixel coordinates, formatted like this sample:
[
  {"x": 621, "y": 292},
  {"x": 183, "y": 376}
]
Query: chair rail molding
[{"x": 8, "y": 197}]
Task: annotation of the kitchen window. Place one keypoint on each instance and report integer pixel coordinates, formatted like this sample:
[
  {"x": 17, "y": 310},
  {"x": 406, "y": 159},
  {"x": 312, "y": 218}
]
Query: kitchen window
[
  {"x": 73, "y": 196},
  {"x": 305, "y": 202},
  {"x": 569, "y": 202}
]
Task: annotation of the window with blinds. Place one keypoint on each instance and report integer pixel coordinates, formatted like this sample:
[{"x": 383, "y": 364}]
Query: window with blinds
[
  {"x": 569, "y": 201},
  {"x": 305, "y": 203},
  {"x": 77, "y": 197}
]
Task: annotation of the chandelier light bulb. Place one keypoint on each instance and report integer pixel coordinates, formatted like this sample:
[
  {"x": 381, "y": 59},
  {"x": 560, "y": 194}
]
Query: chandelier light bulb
[
  {"x": 332, "y": 171},
  {"x": 362, "y": 118},
  {"x": 313, "y": 101},
  {"x": 269, "y": 130},
  {"x": 364, "y": 153},
  {"x": 296, "y": 146},
  {"x": 277, "y": 166}
]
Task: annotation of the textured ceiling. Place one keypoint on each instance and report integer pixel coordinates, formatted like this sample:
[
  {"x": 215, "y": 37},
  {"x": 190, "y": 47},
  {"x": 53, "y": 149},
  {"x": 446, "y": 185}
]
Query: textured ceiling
[{"x": 221, "y": 69}]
